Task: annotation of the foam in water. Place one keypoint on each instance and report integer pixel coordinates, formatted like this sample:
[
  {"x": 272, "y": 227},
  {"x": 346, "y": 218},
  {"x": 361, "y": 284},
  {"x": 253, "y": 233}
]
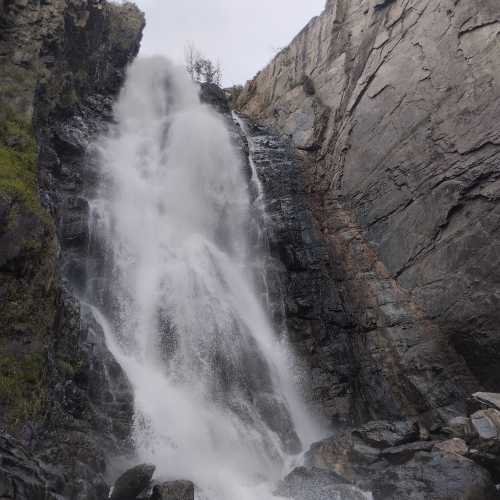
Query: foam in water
[{"x": 214, "y": 395}]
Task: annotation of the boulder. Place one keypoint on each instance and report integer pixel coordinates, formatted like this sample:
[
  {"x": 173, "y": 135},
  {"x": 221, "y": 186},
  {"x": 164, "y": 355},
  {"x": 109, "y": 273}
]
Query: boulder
[
  {"x": 460, "y": 427},
  {"x": 349, "y": 449},
  {"x": 382, "y": 434},
  {"x": 333, "y": 453},
  {"x": 173, "y": 490},
  {"x": 403, "y": 453},
  {"x": 487, "y": 455},
  {"x": 430, "y": 476},
  {"x": 485, "y": 445},
  {"x": 454, "y": 445},
  {"x": 317, "y": 484},
  {"x": 488, "y": 399},
  {"x": 487, "y": 423},
  {"x": 133, "y": 482},
  {"x": 418, "y": 470}
]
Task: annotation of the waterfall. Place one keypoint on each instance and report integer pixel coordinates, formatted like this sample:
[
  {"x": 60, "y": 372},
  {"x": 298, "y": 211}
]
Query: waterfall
[{"x": 178, "y": 300}]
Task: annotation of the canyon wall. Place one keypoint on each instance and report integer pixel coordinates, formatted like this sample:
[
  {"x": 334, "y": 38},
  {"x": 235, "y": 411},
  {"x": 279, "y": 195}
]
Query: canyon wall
[
  {"x": 62, "y": 395},
  {"x": 393, "y": 107}
]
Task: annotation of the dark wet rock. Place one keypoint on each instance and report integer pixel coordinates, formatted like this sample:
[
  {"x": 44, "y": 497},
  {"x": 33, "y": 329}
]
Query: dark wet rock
[
  {"x": 487, "y": 455},
  {"x": 24, "y": 478},
  {"x": 488, "y": 399},
  {"x": 460, "y": 427},
  {"x": 366, "y": 351},
  {"x": 484, "y": 443},
  {"x": 403, "y": 453},
  {"x": 317, "y": 484},
  {"x": 454, "y": 445},
  {"x": 173, "y": 490},
  {"x": 301, "y": 277},
  {"x": 432, "y": 476},
  {"x": 487, "y": 424},
  {"x": 277, "y": 417},
  {"x": 212, "y": 94},
  {"x": 383, "y": 434},
  {"x": 133, "y": 482},
  {"x": 420, "y": 470}
]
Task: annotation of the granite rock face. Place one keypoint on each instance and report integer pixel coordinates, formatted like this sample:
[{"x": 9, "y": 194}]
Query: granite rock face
[{"x": 392, "y": 108}]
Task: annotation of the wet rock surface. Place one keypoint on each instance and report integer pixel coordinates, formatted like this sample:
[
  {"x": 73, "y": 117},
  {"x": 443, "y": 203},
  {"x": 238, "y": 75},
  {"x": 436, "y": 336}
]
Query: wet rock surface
[
  {"x": 133, "y": 482},
  {"x": 317, "y": 484},
  {"x": 368, "y": 352},
  {"x": 24, "y": 478},
  {"x": 173, "y": 490},
  {"x": 386, "y": 434},
  {"x": 488, "y": 399},
  {"x": 434, "y": 468},
  {"x": 307, "y": 304}
]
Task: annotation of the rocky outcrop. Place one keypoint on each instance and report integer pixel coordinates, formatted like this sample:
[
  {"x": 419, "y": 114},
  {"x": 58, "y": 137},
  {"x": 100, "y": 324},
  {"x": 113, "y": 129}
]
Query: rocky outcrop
[
  {"x": 391, "y": 108},
  {"x": 404, "y": 459},
  {"x": 173, "y": 490},
  {"x": 369, "y": 355},
  {"x": 133, "y": 482},
  {"x": 27, "y": 239},
  {"x": 393, "y": 462},
  {"x": 61, "y": 65},
  {"x": 24, "y": 478}
]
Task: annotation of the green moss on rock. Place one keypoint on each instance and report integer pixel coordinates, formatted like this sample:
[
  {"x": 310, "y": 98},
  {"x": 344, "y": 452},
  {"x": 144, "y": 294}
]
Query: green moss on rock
[
  {"x": 18, "y": 154},
  {"x": 126, "y": 24},
  {"x": 22, "y": 390},
  {"x": 27, "y": 305}
]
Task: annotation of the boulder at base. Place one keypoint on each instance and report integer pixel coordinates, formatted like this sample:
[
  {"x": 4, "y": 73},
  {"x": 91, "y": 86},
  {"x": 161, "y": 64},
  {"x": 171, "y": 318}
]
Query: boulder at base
[
  {"x": 393, "y": 462},
  {"x": 133, "y": 482},
  {"x": 174, "y": 490}
]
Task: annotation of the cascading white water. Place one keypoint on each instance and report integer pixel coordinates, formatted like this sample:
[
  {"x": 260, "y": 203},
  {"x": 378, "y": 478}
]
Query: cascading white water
[{"x": 214, "y": 395}]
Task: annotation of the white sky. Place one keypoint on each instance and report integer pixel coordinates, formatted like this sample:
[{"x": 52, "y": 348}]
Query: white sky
[{"x": 242, "y": 34}]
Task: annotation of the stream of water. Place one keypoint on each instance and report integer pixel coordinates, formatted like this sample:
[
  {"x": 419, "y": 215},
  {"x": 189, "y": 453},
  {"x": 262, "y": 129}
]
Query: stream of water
[{"x": 214, "y": 395}]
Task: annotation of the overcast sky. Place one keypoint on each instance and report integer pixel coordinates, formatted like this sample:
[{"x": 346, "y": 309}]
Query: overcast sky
[{"x": 242, "y": 34}]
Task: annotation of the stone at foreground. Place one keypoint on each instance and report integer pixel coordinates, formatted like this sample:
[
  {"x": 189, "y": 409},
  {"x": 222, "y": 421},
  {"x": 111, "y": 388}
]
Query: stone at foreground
[
  {"x": 460, "y": 427},
  {"x": 455, "y": 445},
  {"x": 382, "y": 434},
  {"x": 485, "y": 442},
  {"x": 173, "y": 490},
  {"x": 133, "y": 482},
  {"x": 431, "y": 476},
  {"x": 317, "y": 484},
  {"x": 487, "y": 423},
  {"x": 489, "y": 399},
  {"x": 418, "y": 470}
]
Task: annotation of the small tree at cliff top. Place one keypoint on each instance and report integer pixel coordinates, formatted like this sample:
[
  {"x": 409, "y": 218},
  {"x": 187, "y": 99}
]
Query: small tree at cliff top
[{"x": 200, "y": 68}]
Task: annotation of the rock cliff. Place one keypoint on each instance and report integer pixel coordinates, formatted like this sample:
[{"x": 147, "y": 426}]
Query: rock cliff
[
  {"x": 392, "y": 108},
  {"x": 61, "y": 393}
]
